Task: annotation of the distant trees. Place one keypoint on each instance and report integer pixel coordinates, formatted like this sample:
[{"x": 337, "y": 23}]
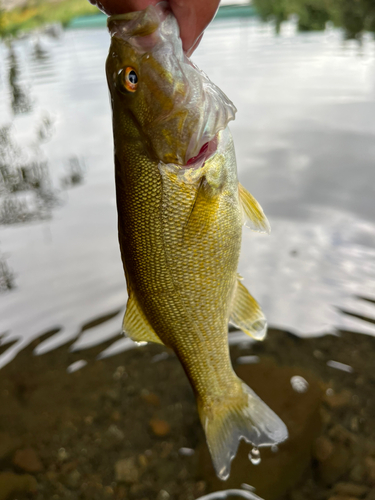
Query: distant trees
[{"x": 355, "y": 17}]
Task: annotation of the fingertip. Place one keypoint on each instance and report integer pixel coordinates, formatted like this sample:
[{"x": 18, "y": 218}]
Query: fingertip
[{"x": 191, "y": 49}]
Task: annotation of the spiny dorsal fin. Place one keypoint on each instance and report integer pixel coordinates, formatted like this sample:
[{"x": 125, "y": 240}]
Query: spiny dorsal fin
[
  {"x": 254, "y": 215},
  {"x": 247, "y": 314},
  {"x": 136, "y": 326}
]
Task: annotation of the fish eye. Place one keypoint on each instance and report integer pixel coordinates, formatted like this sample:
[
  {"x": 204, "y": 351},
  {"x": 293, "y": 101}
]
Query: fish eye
[{"x": 130, "y": 79}]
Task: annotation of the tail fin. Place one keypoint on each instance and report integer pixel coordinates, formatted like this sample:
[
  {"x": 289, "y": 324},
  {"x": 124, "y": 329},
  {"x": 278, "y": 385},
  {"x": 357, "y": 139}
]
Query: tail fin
[{"x": 228, "y": 420}]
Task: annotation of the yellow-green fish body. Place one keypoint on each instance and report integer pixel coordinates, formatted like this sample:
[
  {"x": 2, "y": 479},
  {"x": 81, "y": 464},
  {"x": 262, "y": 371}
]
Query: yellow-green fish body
[{"x": 181, "y": 212}]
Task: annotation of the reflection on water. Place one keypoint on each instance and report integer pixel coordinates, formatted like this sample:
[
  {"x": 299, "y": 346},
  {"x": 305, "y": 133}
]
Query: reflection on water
[
  {"x": 75, "y": 170},
  {"x": 354, "y": 17},
  {"x": 20, "y": 99},
  {"x": 7, "y": 280},
  {"x": 304, "y": 138},
  {"x": 25, "y": 184}
]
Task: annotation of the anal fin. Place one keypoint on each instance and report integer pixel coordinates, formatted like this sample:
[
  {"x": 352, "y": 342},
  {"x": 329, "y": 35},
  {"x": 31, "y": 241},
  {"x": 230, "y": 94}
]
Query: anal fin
[
  {"x": 247, "y": 315},
  {"x": 253, "y": 212},
  {"x": 136, "y": 326}
]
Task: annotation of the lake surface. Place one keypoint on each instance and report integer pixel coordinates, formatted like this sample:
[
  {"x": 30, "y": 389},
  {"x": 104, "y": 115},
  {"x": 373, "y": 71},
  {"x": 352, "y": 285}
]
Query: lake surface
[{"x": 305, "y": 144}]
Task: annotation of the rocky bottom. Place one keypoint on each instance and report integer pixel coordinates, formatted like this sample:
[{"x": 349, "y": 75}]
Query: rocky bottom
[{"x": 126, "y": 427}]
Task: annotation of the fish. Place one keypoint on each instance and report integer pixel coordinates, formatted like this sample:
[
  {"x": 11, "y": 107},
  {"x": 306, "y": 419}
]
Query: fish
[{"x": 181, "y": 210}]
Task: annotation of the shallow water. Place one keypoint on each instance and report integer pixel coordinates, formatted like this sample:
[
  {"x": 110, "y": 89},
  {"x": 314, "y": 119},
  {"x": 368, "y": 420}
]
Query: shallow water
[{"x": 304, "y": 137}]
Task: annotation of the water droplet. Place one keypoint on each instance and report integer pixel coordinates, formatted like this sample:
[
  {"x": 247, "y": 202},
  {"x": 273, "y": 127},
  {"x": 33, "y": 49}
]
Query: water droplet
[
  {"x": 254, "y": 456},
  {"x": 186, "y": 452},
  {"x": 299, "y": 384},
  {"x": 274, "y": 448}
]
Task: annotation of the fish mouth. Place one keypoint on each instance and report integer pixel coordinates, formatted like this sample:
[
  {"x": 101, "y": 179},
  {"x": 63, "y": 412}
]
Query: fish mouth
[{"x": 207, "y": 150}]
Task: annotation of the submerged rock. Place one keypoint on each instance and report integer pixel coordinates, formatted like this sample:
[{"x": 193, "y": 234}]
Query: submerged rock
[
  {"x": 27, "y": 460},
  {"x": 351, "y": 489},
  {"x": 8, "y": 445},
  {"x": 12, "y": 484},
  {"x": 126, "y": 470},
  {"x": 160, "y": 427}
]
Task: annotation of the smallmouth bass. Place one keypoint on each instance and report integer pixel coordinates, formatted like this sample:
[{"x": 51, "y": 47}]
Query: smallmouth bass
[{"x": 180, "y": 216}]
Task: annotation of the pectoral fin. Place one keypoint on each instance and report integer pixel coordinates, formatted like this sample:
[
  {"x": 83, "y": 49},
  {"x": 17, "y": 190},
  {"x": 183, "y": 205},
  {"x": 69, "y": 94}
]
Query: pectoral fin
[
  {"x": 247, "y": 314},
  {"x": 135, "y": 324},
  {"x": 253, "y": 212}
]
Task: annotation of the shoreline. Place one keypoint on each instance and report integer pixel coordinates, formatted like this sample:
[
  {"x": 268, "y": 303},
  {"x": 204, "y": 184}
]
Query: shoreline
[
  {"x": 23, "y": 17},
  {"x": 126, "y": 427}
]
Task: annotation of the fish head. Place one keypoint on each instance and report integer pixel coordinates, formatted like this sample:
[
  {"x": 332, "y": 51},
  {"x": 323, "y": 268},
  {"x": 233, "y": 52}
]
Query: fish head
[{"x": 173, "y": 106}]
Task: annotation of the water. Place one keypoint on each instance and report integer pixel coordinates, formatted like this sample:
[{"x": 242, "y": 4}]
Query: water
[
  {"x": 299, "y": 384},
  {"x": 254, "y": 456},
  {"x": 304, "y": 137}
]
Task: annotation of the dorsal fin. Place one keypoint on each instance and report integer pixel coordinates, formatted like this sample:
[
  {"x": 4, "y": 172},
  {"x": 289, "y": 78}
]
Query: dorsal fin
[
  {"x": 253, "y": 212},
  {"x": 135, "y": 324},
  {"x": 247, "y": 315}
]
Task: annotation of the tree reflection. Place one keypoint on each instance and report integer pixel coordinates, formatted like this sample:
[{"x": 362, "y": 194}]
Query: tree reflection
[
  {"x": 75, "y": 172},
  {"x": 20, "y": 100},
  {"x": 6, "y": 275},
  {"x": 26, "y": 191},
  {"x": 355, "y": 17}
]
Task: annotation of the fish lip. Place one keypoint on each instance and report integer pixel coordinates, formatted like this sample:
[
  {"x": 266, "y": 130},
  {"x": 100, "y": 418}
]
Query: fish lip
[{"x": 207, "y": 151}]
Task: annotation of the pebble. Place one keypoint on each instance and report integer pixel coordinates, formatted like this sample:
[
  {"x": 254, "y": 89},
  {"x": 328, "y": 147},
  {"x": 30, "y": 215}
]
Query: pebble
[
  {"x": 323, "y": 448},
  {"x": 113, "y": 395},
  {"x": 137, "y": 489},
  {"x": 126, "y": 470},
  {"x": 200, "y": 488},
  {"x": 338, "y": 400},
  {"x": 163, "y": 495},
  {"x": 114, "y": 432},
  {"x": 358, "y": 473},
  {"x": 68, "y": 466},
  {"x": 89, "y": 419},
  {"x": 151, "y": 398},
  {"x": 340, "y": 497},
  {"x": 108, "y": 492},
  {"x": 8, "y": 445},
  {"x": 119, "y": 373},
  {"x": 73, "y": 479},
  {"x": 62, "y": 455},
  {"x": 160, "y": 427},
  {"x": 342, "y": 435},
  {"x": 12, "y": 484},
  {"x": 337, "y": 464},
  {"x": 371, "y": 495},
  {"x": 351, "y": 489},
  {"x": 120, "y": 492},
  {"x": 116, "y": 416},
  {"x": 142, "y": 460},
  {"x": 370, "y": 466},
  {"x": 27, "y": 460}
]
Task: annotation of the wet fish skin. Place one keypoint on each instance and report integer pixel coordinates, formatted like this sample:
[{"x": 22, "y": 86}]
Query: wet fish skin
[{"x": 180, "y": 225}]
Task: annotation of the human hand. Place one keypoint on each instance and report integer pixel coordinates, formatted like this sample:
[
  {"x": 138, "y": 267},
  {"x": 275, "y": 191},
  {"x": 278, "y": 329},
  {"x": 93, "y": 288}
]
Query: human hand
[{"x": 193, "y": 16}]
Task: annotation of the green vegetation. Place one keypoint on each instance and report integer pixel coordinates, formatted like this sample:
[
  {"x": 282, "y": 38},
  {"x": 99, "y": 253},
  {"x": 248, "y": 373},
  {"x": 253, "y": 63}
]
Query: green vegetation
[
  {"x": 37, "y": 13},
  {"x": 354, "y": 16}
]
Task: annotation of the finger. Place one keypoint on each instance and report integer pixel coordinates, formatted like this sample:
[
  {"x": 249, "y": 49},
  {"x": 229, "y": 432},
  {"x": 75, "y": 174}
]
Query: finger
[
  {"x": 195, "y": 45},
  {"x": 112, "y": 7},
  {"x": 193, "y": 16}
]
